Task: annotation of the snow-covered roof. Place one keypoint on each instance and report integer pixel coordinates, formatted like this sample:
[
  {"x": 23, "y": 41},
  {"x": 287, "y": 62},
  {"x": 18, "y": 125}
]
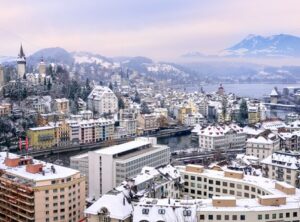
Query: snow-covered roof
[
  {"x": 115, "y": 203},
  {"x": 219, "y": 130},
  {"x": 20, "y": 171},
  {"x": 261, "y": 140},
  {"x": 274, "y": 92},
  {"x": 287, "y": 160}
]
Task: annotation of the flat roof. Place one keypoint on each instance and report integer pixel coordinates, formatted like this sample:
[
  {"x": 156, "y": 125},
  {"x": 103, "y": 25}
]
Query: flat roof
[
  {"x": 116, "y": 149},
  {"x": 20, "y": 171}
]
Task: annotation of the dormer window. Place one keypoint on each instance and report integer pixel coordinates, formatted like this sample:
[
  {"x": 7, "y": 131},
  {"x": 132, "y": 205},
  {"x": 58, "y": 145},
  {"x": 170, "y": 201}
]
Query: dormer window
[
  {"x": 187, "y": 213},
  {"x": 145, "y": 211},
  {"x": 161, "y": 211}
]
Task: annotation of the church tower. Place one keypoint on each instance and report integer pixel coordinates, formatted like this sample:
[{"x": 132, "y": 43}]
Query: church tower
[
  {"x": 21, "y": 63},
  {"x": 42, "y": 66}
]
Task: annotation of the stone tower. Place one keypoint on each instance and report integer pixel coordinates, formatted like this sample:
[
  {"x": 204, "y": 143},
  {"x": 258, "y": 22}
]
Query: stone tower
[{"x": 21, "y": 63}]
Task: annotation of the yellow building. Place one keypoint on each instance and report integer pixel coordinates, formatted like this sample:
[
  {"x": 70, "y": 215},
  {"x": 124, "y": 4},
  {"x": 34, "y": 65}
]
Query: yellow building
[
  {"x": 253, "y": 115},
  {"x": 190, "y": 108},
  {"x": 41, "y": 137},
  {"x": 62, "y": 133}
]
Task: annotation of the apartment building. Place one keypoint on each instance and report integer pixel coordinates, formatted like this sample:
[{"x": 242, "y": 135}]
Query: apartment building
[
  {"x": 110, "y": 166},
  {"x": 102, "y": 100},
  {"x": 290, "y": 140},
  {"x": 128, "y": 120},
  {"x": 61, "y": 105},
  {"x": 41, "y": 137},
  {"x": 147, "y": 123},
  {"x": 222, "y": 137},
  {"x": 263, "y": 145},
  {"x": 283, "y": 166},
  {"x": 96, "y": 130},
  {"x": 35, "y": 191}
]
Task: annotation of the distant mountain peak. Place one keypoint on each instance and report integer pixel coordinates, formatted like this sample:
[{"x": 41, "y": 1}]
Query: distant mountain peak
[{"x": 281, "y": 45}]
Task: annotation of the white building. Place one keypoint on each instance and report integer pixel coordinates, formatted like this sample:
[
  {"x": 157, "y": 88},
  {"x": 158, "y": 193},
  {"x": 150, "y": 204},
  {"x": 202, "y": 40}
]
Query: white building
[
  {"x": 128, "y": 120},
  {"x": 163, "y": 182},
  {"x": 110, "y": 166},
  {"x": 262, "y": 146},
  {"x": 283, "y": 166},
  {"x": 209, "y": 195},
  {"x": 193, "y": 119},
  {"x": 102, "y": 100},
  {"x": 222, "y": 137}
]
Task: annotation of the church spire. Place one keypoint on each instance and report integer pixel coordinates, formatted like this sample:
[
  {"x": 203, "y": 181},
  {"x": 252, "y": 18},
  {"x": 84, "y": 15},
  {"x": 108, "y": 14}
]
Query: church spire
[{"x": 21, "y": 54}]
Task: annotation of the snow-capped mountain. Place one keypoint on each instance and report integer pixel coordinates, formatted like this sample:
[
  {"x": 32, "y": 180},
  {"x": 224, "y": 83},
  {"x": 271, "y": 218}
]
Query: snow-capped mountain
[
  {"x": 193, "y": 54},
  {"x": 87, "y": 57},
  {"x": 271, "y": 46}
]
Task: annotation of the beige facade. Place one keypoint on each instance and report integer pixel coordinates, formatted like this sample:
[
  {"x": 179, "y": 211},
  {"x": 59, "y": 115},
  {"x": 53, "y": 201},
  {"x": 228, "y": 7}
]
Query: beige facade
[
  {"x": 32, "y": 190},
  {"x": 147, "y": 122},
  {"x": 62, "y": 105}
]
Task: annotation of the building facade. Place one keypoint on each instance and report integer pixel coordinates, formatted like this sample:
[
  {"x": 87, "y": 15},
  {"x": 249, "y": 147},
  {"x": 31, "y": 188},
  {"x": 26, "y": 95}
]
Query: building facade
[
  {"x": 102, "y": 100},
  {"x": 222, "y": 137},
  {"x": 283, "y": 166},
  {"x": 35, "y": 191}
]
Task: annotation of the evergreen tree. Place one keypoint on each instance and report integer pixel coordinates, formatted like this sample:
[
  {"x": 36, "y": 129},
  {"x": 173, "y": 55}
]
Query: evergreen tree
[
  {"x": 243, "y": 114},
  {"x": 145, "y": 108},
  {"x": 121, "y": 103},
  {"x": 110, "y": 86},
  {"x": 24, "y": 93},
  {"x": 49, "y": 86}
]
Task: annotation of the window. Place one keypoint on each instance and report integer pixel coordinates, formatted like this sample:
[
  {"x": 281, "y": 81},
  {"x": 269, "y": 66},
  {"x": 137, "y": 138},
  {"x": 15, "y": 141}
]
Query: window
[
  {"x": 281, "y": 215},
  {"x": 232, "y": 185},
  {"x": 246, "y": 187},
  {"x": 202, "y": 217},
  {"x": 287, "y": 215},
  {"x": 226, "y": 217},
  {"x": 267, "y": 216},
  {"x": 192, "y": 177},
  {"x": 218, "y": 183},
  {"x": 161, "y": 211},
  {"x": 259, "y": 217},
  {"x": 145, "y": 211},
  {"x": 295, "y": 214},
  {"x": 219, "y": 217},
  {"x": 211, "y": 182},
  {"x": 210, "y": 217},
  {"x": 273, "y": 216},
  {"x": 234, "y": 217},
  {"x": 199, "y": 178},
  {"x": 187, "y": 213},
  {"x": 242, "y": 217},
  {"x": 186, "y": 177},
  {"x": 225, "y": 184}
]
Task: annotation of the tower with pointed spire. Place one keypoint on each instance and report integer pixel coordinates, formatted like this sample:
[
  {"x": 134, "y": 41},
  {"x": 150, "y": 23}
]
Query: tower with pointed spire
[{"x": 21, "y": 63}]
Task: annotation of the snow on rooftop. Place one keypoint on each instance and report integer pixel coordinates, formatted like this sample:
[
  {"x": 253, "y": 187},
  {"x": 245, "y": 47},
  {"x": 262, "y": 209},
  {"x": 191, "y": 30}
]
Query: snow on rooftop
[
  {"x": 113, "y": 150},
  {"x": 116, "y": 204},
  {"x": 20, "y": 171}
]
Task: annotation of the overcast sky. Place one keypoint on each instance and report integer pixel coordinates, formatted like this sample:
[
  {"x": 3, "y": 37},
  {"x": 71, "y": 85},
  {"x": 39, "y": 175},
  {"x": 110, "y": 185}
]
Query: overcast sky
[{"x": 160, "y": 29}]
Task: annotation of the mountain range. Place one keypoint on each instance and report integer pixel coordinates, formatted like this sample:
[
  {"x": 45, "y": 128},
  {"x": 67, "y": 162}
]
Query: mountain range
[
  {"x": 256, "y": 46},
  {"x": 211, "y": 71}
]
